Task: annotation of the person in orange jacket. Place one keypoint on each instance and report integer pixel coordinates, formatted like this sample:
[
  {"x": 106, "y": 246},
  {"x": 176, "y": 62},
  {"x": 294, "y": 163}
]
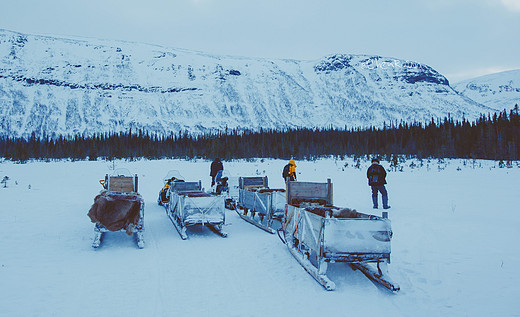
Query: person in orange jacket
[{"x": 289, "y": 171}]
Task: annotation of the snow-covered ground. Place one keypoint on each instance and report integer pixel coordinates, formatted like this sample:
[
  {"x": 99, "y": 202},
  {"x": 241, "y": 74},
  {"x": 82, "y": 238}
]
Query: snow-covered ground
[{"x": 455, "y": 251}]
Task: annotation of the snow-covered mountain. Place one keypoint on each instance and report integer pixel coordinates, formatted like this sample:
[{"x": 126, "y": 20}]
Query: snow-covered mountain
[
  {"x": 53, "y": 86},
  {"x": 499, "y": 91}
]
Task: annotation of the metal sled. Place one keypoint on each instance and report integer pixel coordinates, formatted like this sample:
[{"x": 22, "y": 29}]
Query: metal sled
[
  {"x": 189, "y": 205},
  {"x": 317, "y": 233},
  {"x": 261, "y": 206},
  {"x": 118, "y": 207}
]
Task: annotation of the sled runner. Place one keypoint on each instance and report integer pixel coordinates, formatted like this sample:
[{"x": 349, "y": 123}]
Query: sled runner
[
  {"x": 189, "y": 205},
  {"x": 261, "y": 206},
  {"x": 118, "y": 207},
  {"x": 317, "y": 233}
]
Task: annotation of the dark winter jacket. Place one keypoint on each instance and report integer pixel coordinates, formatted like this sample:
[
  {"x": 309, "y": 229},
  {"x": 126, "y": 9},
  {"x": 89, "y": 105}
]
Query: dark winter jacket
[
  {"x": 216, "y": 166},
  {"x": 376, "y": 175}
]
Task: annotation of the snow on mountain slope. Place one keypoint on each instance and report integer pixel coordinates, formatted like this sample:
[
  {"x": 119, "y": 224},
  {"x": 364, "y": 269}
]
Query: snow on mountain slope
[
  {"x": 53, "y": 86},
  {"x": 499, "y": 91}
]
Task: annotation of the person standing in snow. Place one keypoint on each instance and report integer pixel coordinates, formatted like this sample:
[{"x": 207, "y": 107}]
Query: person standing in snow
[
  {"x": 376, "y": 175},
  {"x": 216, "y": 166},
  {"x": 289, "y": 171}
]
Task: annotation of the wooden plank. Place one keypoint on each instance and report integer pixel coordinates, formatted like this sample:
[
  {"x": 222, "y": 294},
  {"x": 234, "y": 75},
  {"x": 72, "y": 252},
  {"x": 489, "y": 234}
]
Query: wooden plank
[
  {"x": 309, "y": 190},
  {"x": 123, "y": 184},
  {"x": 252, "y": 182},
  {"x": 185, "y": 186}
]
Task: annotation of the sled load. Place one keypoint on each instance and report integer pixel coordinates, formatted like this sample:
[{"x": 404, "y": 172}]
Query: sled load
[
  {"x": 118, "y": 207},
  {"x": 261, "y": 205},
  {"x": 318, "y": 233},
  {"x": 189, "y": 205}
]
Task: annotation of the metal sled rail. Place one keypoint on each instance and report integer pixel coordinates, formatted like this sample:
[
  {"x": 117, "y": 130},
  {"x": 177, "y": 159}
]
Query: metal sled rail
[
  {"x": 314, "y": 271},
  {"x": 181, "y": 230},
  {"x": 260, "y": 225},
  {"x": 377, "y": 277}
]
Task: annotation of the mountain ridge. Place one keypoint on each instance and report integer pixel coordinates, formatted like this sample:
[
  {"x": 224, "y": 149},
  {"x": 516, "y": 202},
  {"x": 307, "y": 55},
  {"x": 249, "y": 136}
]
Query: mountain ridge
[
  {"x": 498, "y": 90},
  {"x": 61, "y": 86}
]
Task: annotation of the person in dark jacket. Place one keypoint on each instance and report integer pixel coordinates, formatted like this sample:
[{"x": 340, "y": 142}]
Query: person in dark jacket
[
  {"x": 376, "y": 175},
  {"x": 216, "y": 166}
]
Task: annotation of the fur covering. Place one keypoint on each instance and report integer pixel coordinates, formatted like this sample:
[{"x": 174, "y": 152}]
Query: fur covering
[
  {"x": 337, "y": 212},
  {"x": 115, "y": 213}
]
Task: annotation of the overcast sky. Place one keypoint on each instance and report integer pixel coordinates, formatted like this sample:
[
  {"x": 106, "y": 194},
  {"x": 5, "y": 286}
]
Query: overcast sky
[{"x": 459, "y": 38}]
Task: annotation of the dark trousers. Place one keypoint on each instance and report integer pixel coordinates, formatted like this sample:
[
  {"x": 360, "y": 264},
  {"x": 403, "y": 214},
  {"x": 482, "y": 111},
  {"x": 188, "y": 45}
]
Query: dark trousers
[{"x": 384, "y": 194}]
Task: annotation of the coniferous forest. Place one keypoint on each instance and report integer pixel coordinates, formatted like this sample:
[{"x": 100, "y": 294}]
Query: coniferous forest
[{"x": 495, "y": 137}]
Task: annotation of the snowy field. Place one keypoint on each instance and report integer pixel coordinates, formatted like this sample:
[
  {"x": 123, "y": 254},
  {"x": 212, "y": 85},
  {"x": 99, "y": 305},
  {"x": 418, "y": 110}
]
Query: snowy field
[{"x": 455, "y": 251}]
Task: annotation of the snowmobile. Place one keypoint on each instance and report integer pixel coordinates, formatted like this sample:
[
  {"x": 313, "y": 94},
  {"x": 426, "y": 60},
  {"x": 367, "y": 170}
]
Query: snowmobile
[
  {"x": 227, "y": 186},
  {"x": 261, "y": 205},
  {"x": 164, "y": 194},
  {"x": 190, "y": 205},
  {"x": 118, "y": 207},
  {"x": 221, "y": 183},
  {"x": 318, "y": 233}
]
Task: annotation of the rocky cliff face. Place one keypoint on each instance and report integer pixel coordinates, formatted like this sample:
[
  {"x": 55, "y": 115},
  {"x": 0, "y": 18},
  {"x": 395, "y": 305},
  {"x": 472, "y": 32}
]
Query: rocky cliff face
[
  {"x": 499, "y": 91},
  {"x": 55, "y": 86}
]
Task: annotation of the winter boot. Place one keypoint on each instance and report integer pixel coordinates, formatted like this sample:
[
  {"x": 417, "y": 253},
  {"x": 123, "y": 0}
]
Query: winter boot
[
  {"x": 374, "y": 201},
  {"x": 385, "y": 202}
]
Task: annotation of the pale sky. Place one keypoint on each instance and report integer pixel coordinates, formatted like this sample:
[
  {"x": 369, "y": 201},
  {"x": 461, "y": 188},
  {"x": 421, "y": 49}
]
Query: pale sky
[{"x": 459, "y": 38}]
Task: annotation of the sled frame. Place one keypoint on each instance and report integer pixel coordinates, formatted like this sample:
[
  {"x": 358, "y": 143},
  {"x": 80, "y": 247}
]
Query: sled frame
[
  {"x": 122, "y": 187},
  {"x": 257, "y": 208},
  {"x": 176, "y": 212},
  {"x": 312, "y": 253}
]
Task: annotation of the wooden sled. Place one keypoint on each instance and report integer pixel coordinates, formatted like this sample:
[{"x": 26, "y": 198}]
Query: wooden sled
[{"x": 118, "y": 207}]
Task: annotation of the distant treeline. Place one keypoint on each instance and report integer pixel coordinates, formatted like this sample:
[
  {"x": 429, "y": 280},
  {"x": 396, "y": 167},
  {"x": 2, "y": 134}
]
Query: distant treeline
[{"x": 495, "y": 137}]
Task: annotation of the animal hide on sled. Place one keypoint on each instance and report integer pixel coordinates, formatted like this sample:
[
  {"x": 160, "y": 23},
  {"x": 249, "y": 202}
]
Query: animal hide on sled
[
  {"x": 337, "y": 212},
  {"x": 115, "y": 214}
]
